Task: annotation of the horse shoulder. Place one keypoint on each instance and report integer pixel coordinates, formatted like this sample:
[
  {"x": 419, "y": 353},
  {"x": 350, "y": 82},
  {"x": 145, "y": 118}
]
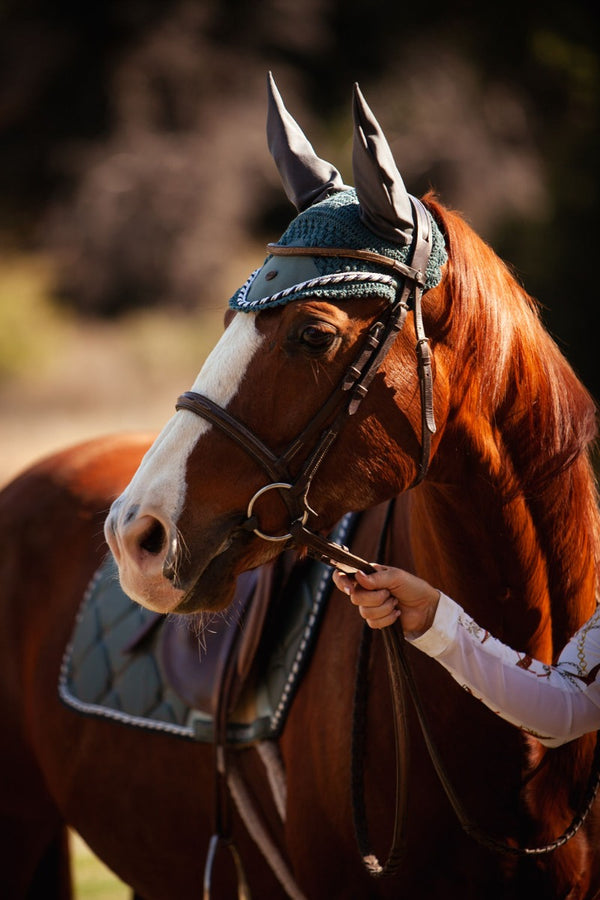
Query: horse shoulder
[
  {"x": 51, "y": 519},
  {"x": 93, "y": 471}
]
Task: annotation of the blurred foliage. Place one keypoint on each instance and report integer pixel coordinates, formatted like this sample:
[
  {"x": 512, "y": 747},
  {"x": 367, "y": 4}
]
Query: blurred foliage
[{"x": 133, "y": 142}]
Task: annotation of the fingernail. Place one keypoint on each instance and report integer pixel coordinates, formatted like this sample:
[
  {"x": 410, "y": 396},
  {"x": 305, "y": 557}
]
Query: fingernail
[{"x": 345, "y": 588}]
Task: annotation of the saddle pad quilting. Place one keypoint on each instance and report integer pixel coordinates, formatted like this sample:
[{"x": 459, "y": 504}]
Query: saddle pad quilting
[
  {"x": 100, "y": 677},
  {"x": 112, "y": 665}
]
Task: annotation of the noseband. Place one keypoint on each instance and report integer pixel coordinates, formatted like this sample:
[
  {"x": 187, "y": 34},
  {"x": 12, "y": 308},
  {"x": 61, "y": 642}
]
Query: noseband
[{"x": 317, "y": 438}]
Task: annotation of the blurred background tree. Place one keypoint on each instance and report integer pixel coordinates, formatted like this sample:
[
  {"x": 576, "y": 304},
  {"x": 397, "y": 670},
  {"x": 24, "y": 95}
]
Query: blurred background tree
[{"x": 132, "y": 136}]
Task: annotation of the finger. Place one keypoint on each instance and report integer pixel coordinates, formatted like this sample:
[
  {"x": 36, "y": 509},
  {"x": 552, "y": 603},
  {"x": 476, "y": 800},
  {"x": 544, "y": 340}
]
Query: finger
[
  {"x": 343, "y": 582},
  {"x": 382, "y": 577},
  {"x": 382, "y": 621},
  {"x": 370, "y": 599},
  {"x": 358, "y": 595},
  {"x": 380, "y": 611}
]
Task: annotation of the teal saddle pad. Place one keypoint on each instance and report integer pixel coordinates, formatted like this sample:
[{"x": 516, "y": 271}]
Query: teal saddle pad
[{"x": 114, "y": 665}]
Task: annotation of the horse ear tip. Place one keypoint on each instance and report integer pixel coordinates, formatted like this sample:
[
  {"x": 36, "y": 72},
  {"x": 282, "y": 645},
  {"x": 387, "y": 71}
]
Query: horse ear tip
[{"x": 359, "y": 103}]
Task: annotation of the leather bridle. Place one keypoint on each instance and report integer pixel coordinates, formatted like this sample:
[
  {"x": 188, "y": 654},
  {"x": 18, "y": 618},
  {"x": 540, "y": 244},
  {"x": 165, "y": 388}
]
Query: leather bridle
[
  {"x": 313, "y": 444},
  {"x": 315, "y": 441}
]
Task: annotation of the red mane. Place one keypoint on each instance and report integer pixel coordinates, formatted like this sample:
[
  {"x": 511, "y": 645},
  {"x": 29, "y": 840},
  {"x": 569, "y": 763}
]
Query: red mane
[
  {"x": 533, "y": 424},
  {"x": 536, "y": 420}
]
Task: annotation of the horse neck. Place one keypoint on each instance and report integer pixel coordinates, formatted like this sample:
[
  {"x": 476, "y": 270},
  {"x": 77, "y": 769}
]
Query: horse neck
[
  {"x": 508, "y": 520},
  {"x": 522, "y": 563}
]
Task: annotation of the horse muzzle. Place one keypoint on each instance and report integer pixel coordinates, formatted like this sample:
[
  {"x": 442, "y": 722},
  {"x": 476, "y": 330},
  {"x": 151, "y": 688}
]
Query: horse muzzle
[
  {"x": 156, "y": 571},
  {"x": 146, "y": 550}
]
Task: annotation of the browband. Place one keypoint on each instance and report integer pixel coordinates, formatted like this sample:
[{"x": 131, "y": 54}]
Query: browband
[{"x": 379, "y": 259}]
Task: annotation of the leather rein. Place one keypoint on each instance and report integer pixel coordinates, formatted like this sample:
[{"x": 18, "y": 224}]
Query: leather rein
[{"x": 313, "y": 444}]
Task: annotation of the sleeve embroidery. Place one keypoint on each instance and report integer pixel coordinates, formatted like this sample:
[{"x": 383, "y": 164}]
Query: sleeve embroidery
[{"x": 554, "y": 703}]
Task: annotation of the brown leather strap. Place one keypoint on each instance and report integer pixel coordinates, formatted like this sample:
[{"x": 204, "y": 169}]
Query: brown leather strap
[
  {"x": 428, "y": 427},
  {"x": 379, "y": 259},
  {"x": 397, "y": 661},
  {"x": 206, "y": 408},
  {"x": 384, "y": 515},
  {"x": 354, "y": 388},
  {"x": 402, "y": 681},
  {"x": 225, "y": 682},
  {"x": 326, "y": 551},
  {"x": 253, "y": 624},
  {"x": 324, "y": 427}
]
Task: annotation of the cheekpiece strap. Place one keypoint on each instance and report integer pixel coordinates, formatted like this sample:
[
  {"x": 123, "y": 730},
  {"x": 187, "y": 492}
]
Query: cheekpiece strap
[{"x": 420, "y": 258}]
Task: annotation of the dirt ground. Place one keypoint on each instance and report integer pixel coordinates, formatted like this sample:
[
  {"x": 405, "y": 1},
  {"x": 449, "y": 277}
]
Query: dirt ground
[{"x": 101, "y": 379}]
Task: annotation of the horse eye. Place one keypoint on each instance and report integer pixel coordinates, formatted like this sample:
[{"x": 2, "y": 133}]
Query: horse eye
[{"x": 317, "y": 337}]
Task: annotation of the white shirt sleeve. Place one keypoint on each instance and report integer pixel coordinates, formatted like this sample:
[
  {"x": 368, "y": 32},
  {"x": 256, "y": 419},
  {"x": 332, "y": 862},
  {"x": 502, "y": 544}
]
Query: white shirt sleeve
[{"x": 554, "y": 703}]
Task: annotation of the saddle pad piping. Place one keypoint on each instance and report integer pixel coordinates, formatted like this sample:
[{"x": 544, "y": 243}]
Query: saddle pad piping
[
  {"x": 94, "y": 709},
  {"x": 295, "y": 671}
]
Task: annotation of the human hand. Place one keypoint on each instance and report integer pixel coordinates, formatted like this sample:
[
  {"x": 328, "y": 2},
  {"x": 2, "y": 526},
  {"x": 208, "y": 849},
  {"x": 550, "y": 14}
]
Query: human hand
[{"x": 388, "y": 593}]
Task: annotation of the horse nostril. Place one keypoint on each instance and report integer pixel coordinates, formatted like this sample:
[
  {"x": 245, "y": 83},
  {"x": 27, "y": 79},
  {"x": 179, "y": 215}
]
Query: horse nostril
[
  {"x": 144, "y": 544},
  {"x": 153, "y": 539},
  {"x": 171, "y": 561}
]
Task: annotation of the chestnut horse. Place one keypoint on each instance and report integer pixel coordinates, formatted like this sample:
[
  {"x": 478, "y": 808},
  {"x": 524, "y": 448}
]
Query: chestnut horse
[{"x": 505, "y": 521}]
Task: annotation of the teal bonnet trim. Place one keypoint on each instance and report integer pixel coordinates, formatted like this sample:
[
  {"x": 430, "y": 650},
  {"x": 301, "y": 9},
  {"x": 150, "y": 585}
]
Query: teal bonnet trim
[{"x": 334, "y": 222}]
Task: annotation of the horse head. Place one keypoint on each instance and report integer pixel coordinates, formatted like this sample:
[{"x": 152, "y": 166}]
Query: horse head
[
  {"x": 314, "y": 402},
  {"x": 293, "y": 331}
]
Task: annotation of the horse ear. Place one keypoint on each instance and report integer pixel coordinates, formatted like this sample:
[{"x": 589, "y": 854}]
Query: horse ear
[
  {"x": 306, "y": 178},
  {"x": 385, "y": 206}
]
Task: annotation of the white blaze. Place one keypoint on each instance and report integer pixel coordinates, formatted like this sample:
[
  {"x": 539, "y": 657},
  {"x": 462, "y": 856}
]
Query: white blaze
[{"x": 159, "y": 484}]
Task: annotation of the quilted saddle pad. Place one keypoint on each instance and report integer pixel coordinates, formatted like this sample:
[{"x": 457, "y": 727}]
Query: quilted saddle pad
[{"x": 115, "y": 665}]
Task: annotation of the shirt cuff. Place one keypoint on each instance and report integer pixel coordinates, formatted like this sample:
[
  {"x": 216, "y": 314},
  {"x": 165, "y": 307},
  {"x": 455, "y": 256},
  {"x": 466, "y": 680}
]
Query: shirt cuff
[{"x": 443, "y": 630}]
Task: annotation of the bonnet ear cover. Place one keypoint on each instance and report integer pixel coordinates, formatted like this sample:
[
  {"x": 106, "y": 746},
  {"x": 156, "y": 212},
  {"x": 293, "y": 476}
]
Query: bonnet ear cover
[
  {"x": 377, "y": 218},
  {"x": 307, "y": 179},
  {"x": 385, "y": 206}
]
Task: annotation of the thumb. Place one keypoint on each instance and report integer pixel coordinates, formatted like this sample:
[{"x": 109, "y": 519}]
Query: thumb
[{"x": 374, "y": 581}]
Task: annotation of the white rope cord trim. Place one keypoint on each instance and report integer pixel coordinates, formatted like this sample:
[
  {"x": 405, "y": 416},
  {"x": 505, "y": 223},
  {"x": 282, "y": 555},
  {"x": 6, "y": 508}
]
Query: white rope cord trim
[
  {"x": 95, "y": 709},
  {"x": 321, "y": 281},
  {"x": 318, "y": 600}
]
